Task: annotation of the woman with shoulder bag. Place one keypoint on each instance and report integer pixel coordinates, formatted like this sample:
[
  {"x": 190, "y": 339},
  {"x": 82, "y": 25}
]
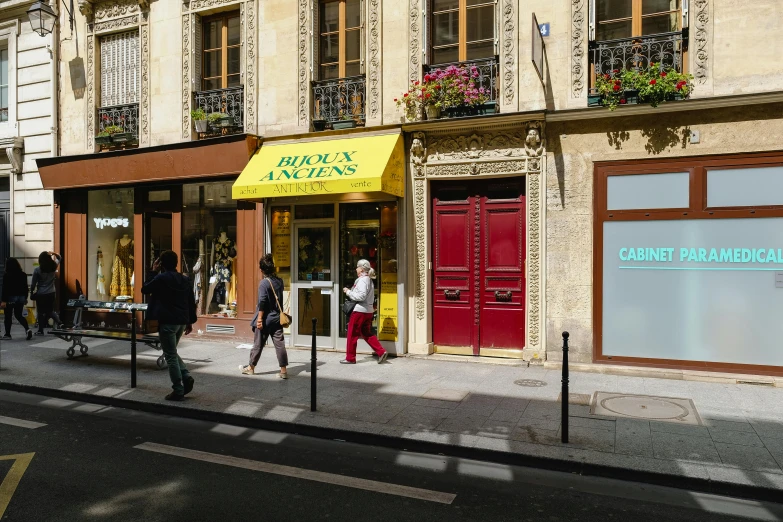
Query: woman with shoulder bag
[
  {"x": 269, "y": 320},
  {"x": 42, "y": 289},
  {"x": 14, "y": 297},
  {"x": 360, "y": 321}
]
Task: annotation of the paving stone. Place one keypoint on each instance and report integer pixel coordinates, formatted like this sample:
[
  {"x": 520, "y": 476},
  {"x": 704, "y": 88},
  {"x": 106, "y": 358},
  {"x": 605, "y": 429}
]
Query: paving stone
[
  {"x": 589, "y": 438},
  {"x": 675, "y": 446},
  {"x": 420, "y": 417},
  {"x": 542, "y": 410},
  {"x": 633, "y": 437},
  {"x": 461, "y": 424},
  {"x": 433, "y": 403},
  {"x": 740, "y": 438},
  {"x": 727, "y": 425},
  {"x": 596, "y": 424},
  {"x": 440, "y": 394},
  {"x": 684, "y": 429},
  {"x": 747, "y": 457},
  {"x": 497, "y": 429}
]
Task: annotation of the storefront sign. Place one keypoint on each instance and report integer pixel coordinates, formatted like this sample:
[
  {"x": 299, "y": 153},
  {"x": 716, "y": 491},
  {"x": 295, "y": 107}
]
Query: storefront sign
[
  {"x": 717, "y": 258},
  {"x": 281, "y": 238},
  {"x": 100, "y": 223},
  {"x": 387, "y": 314}
]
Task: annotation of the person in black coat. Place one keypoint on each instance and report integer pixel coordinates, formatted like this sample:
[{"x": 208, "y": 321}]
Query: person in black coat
[
  {"x": 173, "y": 305},
  {"x": 14, "y": 297}
]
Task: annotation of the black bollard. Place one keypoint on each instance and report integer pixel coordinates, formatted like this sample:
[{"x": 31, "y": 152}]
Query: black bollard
[
  {"x": 564, "y": 392},
  {"x": 313, "y": 370},
  {"x": 133, "y": 347}
]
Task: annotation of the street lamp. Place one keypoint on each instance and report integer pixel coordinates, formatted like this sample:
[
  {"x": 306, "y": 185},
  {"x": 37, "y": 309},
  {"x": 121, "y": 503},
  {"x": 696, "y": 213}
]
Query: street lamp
[{"x": 42, "y": 17}]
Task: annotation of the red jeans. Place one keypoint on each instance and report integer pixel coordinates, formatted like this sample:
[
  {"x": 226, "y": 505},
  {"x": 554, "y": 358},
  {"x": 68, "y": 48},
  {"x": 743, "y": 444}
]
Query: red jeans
[{"x": 359, "y": 326}]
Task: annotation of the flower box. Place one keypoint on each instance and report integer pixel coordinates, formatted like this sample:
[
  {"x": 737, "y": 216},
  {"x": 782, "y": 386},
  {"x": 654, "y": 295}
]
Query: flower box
[
  {"x": 201, "y": 126},
  {"x": 490, "y": 107},
  {"x": 102, "y": 140},
  {"x": 631, "y": 96},
  {"x": 343, "y": 124},
  {"x": 594, "y": 100},
  {"x": 123, "y": 137},
  {"x": 319, "y": 125}
]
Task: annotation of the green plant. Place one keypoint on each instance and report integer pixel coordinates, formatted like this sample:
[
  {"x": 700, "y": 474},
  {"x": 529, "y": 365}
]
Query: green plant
[
  {"x": 102, "y": 134},
  {"x": 215, "y": 116},
  {"x": 454, "y": 86},
  {"x": 655, "y": 85},
  {"x": 198, "y": 114},
  {"x": 110, "y": 130}
]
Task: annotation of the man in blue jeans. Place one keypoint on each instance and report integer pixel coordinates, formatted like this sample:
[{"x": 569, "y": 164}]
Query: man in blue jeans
[{"x": 173, "y": 305}]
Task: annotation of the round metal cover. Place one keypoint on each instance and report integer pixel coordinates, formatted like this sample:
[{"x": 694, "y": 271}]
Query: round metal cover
[
  {"x": 652, "y": 408},
  {"x": 530, "y": 383}
]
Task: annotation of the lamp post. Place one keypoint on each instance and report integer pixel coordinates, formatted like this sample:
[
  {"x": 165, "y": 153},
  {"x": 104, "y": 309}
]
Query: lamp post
[{"x": 42, "y": 17}]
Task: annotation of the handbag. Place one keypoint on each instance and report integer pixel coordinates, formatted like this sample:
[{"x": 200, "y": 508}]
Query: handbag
[
  {"x": 348, "y": 307},
  {"x": 34, "y": 296},
  {"x": 285, "y": 319}
]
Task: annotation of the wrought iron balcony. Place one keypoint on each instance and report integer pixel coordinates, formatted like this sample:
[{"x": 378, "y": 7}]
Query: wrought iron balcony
[
  {"x": 342, "y": 99},
  {"x": 229, "y": 101},
  {"x": 488, "y": 69},
  {"x": 124, "y": 116},
  {"x": 638, "y": 53}
]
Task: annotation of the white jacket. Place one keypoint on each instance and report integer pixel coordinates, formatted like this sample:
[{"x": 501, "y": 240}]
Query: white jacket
[{"x": 363, "y": 292}]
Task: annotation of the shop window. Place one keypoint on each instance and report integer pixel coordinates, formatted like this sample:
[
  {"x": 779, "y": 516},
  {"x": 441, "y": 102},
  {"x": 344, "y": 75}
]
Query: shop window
[
  {"x": 314, "y": 211},
  {"x": 209, "y": 249},
  {"x": 4, "y": 84},
  {"x": 369, "y": 231},
  {"x": 745, "y": 187},
  {"x": 110, "y": 245},
  {"x": 281, "y": 248},
  {"x": 648, "y": 191}
]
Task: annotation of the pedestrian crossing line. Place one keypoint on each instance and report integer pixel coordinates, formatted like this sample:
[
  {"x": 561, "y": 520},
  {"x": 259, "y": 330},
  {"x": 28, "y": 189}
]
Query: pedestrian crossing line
[
  {"x": 300, "y": 473},
  {"x": 21, "y": 423}
]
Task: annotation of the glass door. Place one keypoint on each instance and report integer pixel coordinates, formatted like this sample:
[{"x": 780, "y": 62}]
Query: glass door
[{"x": 314, "y": 285}]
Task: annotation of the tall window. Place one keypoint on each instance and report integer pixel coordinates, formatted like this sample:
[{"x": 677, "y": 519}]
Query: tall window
[
  {"x": 462, "y": 30},
  {"x": 340, "y": 38},
  {"x": 629, "y": 18},
  {"x": 222, "y": 47},
  {"x": 119, "y": 68},
  {"x": 4, "y": 84}
]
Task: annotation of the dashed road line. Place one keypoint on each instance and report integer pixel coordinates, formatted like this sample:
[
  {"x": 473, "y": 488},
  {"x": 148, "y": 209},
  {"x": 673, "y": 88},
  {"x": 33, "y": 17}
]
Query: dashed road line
[
  {"x": 21, "y": 423},
  {"x": 300, "y": 473}
]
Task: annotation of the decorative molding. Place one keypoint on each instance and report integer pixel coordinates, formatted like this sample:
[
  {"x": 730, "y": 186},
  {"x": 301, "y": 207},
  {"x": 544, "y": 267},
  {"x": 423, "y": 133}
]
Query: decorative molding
[
  {"x": 14, "y": 149},
  {"x": 420, "y": 217},
  {"x": 113, "y": 25},
  {"x": 477, "y": 264},
  {"x": 701, "y": 37},
  {"x": 90, "y": 145},
  {"x": 374, "y": 75},
  {"x": 249, "y": 27},
  {"x": 85, "y": 8},
  {"x": 484, "y": 168},
  {"x": 199, "y": 5},
  {"x": 186, "y": 56},
  {"x": 144, "y": 106},
  {"x": 476, "y": 146},
  {"x": 414, "y": 42},
  {"x": 533, "y": 275},
  {"x": 577, "y": 47},
  {"x": 304, "y": 61},
  {"x": 418, "y": 154},
  {"x": 115, "y": 9},
  {"x": 509, "y": 88}
]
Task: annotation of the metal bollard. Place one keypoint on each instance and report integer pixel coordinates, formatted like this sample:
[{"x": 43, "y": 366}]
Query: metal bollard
[
  {"x": 564, "y": 392},
  {"x": 313, "y": 371},
  {"x": 133, "y": 347}
]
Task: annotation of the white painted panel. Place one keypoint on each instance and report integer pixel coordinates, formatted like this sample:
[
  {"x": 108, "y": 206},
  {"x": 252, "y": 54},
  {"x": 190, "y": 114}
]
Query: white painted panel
[
  {"x": 43, "y": 214},
  {"x": 33, "y": 57},
  {"x": 34, "y": 109},
  {"x": 32, "y": 181},
  {"x": 39, "y": 232},
  {"x": 19, "y": 224},
  {"x": 29, "y": 40},
  {"x": 34, "y": 91},
  {"x": 36, "y": 126},
  {"x": 35, "y": 74},
  {"x": 38, "y": 144},
  {"x": 38, "y": 197}
]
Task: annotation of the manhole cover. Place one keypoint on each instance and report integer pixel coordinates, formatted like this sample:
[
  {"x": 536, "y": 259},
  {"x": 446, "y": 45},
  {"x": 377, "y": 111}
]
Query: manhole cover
[
  {"x": 667, "y": 409},
  {"x": 581, "y": 399},
  {"x": 530, "y": 383}
]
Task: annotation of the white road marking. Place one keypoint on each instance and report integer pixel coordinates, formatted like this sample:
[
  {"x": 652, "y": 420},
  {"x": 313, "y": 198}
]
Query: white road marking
[
  {"x": 305, "y": 474},
  {"x": 20, "y": 423}
]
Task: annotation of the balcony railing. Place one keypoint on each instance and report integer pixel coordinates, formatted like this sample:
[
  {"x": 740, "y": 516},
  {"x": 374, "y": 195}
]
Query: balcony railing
[
  {"x": 229, "y": 101},
  {"x": 488, "y": 70},
  {"x": 342, "y": 99},
  {"x": 638, "y": 53},
  {"x": 123, "y": 116}
]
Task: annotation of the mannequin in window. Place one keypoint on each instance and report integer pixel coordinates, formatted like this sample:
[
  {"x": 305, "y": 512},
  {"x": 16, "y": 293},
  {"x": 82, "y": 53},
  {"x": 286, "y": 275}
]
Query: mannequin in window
[
  {"x": 100, "y": 285},
  {"x": 223, "y": 251},
  {"x": 122, "y": 267}
]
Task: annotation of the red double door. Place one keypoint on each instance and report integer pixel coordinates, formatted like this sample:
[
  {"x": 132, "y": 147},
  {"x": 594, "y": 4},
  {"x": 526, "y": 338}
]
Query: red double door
[{"x": 479, "y": 232}]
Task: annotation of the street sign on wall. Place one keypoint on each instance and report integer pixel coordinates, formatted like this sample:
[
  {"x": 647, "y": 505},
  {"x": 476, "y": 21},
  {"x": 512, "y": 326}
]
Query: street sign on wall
[{"x": 537, "y": 48}]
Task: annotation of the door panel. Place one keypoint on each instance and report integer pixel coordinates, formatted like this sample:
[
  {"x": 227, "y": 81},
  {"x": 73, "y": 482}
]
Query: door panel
[{"x": 452, "y": 319}]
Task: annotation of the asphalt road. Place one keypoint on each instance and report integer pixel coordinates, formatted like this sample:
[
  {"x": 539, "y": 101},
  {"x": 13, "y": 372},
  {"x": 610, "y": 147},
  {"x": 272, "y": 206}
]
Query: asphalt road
[{"x": 95, "y": 463}]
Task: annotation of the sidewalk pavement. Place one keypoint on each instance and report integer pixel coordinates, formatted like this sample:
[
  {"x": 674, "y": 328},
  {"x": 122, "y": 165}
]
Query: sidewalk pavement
[{"x": 734, "y": 439}]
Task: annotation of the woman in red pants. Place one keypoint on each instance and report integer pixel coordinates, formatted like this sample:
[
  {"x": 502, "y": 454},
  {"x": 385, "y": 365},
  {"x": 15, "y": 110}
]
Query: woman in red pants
[{"x": 363, "y": 294}]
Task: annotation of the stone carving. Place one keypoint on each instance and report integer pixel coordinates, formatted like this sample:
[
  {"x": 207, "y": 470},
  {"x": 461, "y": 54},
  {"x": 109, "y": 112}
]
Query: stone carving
[
  {"x": 90, "y": 93},
  {"x": 508, "y": 51},
  {"x": 700, "y": 36},
  {"x": 304, "y": 61},
  {"x": 114, "y": 24},
  {"x": 534, "y": 261},
  {"x": 418, "y": 153},
  {"x": 116, "y": 9},
  {"x": 196, "y": 5},
  {"x": 484, "y": 168},
  {"x": 414, "y": 42},
  {"x": 144, "y": 113},
  {"x": 534, "y": 145},
  {"x": 14, "y": 149},
  {"x": 577, "y": 47},
  {"x": 85, "y": 8},
  {"x": 186, "y": 76},
  {"x": 420, "y": 213},
  {"x": 490, "y": 145},
  {"x": 477, "y": 262},
  {"x": 250, "y": 67},
  {"x": 375, "y": 58}
]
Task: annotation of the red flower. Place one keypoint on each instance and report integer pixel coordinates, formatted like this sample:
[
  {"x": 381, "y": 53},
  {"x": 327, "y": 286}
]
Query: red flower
[
  {"x": 653, "y": 82},
  {"x": 416, "y": 83},
  {"x": 405, "y": 95},
  {"x": 426, "y": 77},
  {"x": 428, "y": 95},
  {"x": 437, "y": 87},
  {"x": 395, "y": 99},
  {"x": 616, "y": 87},
  {"x": 616, "y": 71},
  {"x": 663, "y": 74},
  {"x": 622, "y": 101},
  {"x": 606, "y": 76}
]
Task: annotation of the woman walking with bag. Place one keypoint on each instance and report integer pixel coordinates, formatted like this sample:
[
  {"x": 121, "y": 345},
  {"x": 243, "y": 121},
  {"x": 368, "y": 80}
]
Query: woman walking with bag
[
  {"x": 42, "y": 289},
  {"x": 269, "y": 320},
  {"x": 14, "y": 296},
  {"x": 360, "y": 322}
]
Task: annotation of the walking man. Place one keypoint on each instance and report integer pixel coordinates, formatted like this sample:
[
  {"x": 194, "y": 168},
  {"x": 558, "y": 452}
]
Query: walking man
[{"x": 173, "y": 305}]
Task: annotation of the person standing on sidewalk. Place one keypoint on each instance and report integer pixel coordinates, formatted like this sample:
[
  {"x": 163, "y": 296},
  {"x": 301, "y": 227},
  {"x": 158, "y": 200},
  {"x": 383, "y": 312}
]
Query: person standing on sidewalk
[
  {"x": 173, "y": 305},
  {"x": 266, "y": 322},
  {"x": 14, "y": 297},
  {"x": 42, "y": 289},
  {"x": 363, "y": 294}
]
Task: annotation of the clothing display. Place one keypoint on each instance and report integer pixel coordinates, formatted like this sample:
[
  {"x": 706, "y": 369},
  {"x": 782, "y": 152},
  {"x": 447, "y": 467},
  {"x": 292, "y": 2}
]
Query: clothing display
[
  {"x": 222, "y": 250},
  {"x": 198, "y": 273},
  {"x": 101, "y": 280},
  {"x": 122, "y": 269},
  {"x": 232, "y": 285}
]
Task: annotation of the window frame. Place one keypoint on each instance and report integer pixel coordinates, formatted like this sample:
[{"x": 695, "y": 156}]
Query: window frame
[
  {"x": 342, "y": 33},
  {"x": 9, "y": 31},
  {"x": 224, "y": 17},
  {"x": 636, "y": 19},
  {"x": 462, "y": 38}
]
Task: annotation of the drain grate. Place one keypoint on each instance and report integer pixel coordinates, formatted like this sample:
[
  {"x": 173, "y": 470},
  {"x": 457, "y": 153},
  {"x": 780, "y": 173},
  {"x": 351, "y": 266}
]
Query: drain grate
[
  {"x": 220, "y": 329},
  {"x": 757, "y": 383},
  {"x": 530, "y": 383}
]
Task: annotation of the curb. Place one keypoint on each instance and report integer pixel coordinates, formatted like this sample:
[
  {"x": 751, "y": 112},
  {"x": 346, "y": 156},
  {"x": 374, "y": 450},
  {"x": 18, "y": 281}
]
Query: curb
[{"x": 498, "y": 457}]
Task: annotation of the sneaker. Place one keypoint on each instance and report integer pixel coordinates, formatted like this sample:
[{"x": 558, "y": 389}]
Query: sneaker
[
  {"x": 174, "y": 396},
  {"x": 188, "y": 383},
  {"x": 39, "y": 333},
  {"x": 383, "y": 357},
  {"x": 7, "y": 337},
  {"x": 346, "y": 361},
  {"x": 29, "y": 334},
  {"x": 283, "y": 375},
  {"x": 246, "y": 370}
]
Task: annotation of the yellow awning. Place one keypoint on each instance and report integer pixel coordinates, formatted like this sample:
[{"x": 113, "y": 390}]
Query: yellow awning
[{"x": 336, "y": 166}]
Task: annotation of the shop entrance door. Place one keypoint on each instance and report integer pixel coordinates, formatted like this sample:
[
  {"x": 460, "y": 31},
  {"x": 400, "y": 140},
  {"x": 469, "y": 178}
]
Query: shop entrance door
[
  {"x": 478, "y": 232},
  {"x": 157, "y": 235},
  {"x": 314, "y": 285}
]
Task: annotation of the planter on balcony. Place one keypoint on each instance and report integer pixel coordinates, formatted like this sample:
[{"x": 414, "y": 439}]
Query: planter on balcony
[
  {"x": 319, "y": 125},
  {"x": 222, "y": 123},
  {"x": 123, "y": 138},
  {"x": 102, "y": 140},
  {"x": 343, "y": 124},
  {"x": 490, "y": 107},
  {"x": 594, "y": 100},
  {"x": 631, "y": 96},
  {"x": 432, "y": 111},
  {"x": 201, "y": 126}
]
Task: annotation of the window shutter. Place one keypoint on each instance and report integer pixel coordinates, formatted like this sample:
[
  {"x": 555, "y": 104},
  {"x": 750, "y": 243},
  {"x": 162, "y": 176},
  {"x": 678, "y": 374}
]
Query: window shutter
[
  {"x": 591, "y": 23},
  {"x": 198, "y": 48},
  {"x": 684, "y": 14},
  {"x": 316, "y": 39},
  {"x": 119, "y": 69}
]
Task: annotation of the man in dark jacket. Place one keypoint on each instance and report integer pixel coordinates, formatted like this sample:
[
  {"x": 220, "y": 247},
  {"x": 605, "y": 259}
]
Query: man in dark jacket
[{"x": 173, "y": 305}]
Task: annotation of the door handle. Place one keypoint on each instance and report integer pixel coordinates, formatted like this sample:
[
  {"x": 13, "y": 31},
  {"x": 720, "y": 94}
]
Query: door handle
[
  {"x": 451, "y": 295},
  {"x": 503, "y": 296}
]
